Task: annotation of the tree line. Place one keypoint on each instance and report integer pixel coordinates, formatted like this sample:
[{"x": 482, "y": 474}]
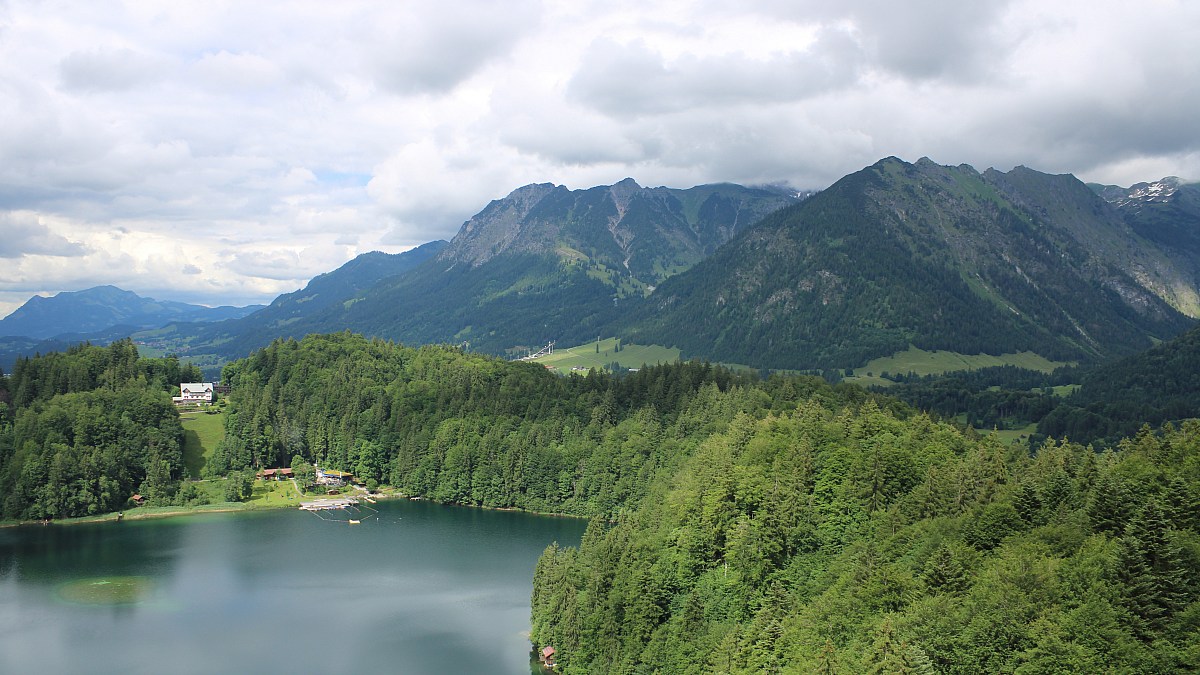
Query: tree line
[
  {"x": 83, "y": 430},
  {"x": 472, "y": 429}
]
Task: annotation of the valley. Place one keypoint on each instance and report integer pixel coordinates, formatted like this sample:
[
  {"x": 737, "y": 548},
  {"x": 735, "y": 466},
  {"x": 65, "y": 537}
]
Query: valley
[{"x": 978, "y": 413}]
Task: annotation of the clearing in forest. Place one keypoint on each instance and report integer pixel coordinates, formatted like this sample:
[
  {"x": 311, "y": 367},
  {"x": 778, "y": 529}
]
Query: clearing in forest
[
  {"x": 937, "y": 362},
  {"x": 201, "y": 433},
  {"x": 602, "y": 353}
]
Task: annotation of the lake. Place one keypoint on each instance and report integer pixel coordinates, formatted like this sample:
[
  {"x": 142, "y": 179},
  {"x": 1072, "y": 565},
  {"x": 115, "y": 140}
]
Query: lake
[{"x": 416, "y": 588}]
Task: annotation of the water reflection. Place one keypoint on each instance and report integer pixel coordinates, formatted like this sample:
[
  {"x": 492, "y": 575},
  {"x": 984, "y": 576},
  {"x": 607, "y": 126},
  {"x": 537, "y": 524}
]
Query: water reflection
[{"x": 419, "y": 589}]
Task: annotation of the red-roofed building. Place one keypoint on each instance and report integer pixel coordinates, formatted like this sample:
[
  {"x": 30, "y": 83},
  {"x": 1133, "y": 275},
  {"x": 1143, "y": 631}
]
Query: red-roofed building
[{"x": 548, "y": 656}]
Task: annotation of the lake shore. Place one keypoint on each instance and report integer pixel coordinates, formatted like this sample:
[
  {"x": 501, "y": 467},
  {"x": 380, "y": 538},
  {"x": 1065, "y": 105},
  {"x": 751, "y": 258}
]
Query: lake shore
[{"x": 263, "y": 503}]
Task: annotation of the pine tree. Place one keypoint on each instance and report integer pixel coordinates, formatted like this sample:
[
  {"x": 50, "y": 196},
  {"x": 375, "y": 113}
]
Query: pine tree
[
  {"x": 826, "y": 664},
  {"x": 1028, "y": 505},
  {"x": 1107, "y": 505},
  {"x": 944, "y": 572},
  {"x": 1151, "y": 570}
]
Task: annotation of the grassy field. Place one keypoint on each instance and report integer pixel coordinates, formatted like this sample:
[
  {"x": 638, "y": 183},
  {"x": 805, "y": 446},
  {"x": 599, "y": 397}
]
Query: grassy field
[
  {"x": 269, "y": 494},
  {"x": 1010, "y": 436},
  {"x": 201, "y": 433},
  {"x": 586, "y": 356},
  {"x": 922, "y": 362}
]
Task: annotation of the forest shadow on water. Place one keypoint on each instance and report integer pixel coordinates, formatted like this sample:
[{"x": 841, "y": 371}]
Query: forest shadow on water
[{"x": 416, "y": 588}]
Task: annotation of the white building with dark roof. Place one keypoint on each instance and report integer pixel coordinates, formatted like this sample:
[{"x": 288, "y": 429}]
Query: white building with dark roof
[{"x": 195, "y": 392}]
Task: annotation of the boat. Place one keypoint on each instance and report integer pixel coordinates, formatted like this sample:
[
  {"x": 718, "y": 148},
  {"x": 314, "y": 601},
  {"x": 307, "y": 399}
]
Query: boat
[{"x": 354, "y": 522}]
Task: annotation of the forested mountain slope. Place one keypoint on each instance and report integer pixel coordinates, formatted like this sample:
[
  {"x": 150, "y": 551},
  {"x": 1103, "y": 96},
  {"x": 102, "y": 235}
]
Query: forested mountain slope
[
  {"x": 548, "y": 263},
  {"x": 940, "y": 257},
  {"x": 476, "y": 430},
  {"x": 828, "y": 539},
  {"x": 1165, "y": 211},
  {"x": 749, "y": 526},
  {"x": 291, "y": 314},
  {"x": 1115, "y": 399}
]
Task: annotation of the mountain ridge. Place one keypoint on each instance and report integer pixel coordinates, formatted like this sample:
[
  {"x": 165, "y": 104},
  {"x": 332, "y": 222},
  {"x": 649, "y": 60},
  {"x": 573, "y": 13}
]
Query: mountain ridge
[
  {"x": 922, "y": 254},
  {"x": 104, "y": 307}
]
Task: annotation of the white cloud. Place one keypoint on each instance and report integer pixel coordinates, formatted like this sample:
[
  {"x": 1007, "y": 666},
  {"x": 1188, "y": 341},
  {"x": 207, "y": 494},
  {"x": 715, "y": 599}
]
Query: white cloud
[
  {"x": 109, "y": 70},
  {"x": 27, "y": 234},
  {"x": 215, "y": 152}
]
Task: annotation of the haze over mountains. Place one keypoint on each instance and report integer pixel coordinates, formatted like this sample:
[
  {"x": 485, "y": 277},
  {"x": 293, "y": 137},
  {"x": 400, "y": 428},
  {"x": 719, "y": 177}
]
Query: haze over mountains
[
  {"x": 895, "y": 254},
  {"x": 104, "y": 307}
]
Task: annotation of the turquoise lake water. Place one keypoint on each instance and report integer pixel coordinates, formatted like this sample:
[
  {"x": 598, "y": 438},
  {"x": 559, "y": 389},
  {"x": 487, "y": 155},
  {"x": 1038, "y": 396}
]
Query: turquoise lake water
[{"x": 416, "y": 588}]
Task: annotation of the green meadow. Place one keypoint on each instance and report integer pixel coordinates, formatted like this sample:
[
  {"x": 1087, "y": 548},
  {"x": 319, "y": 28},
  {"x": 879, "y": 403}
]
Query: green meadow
[
  {"x": 921, "y": 362},
  {"x": 604, "y": 352},
  {"x": 201, "y": 434}
]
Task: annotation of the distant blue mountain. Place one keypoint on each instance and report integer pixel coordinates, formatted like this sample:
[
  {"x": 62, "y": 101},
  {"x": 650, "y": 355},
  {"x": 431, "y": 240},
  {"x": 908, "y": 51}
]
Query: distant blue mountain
[
  {"x": 103, "y": 307},
  {"x": 291, "y": 314}
]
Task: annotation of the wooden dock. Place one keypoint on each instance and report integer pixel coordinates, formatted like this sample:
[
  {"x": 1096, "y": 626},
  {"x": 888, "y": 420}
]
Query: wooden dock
[{"x": 329, "y": 504}]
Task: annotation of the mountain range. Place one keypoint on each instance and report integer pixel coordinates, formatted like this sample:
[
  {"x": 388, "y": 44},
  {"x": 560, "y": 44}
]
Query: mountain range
[
  {"x": 939, "y": 257},
  {"x": 105, "y": 307},
  {"x": 544, "y": 263},
  {"x": 897, "y": 254}
]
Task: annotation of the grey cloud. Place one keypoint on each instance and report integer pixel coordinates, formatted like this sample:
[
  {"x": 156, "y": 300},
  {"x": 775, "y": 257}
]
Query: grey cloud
[
  {"x": 927, "y": 39},
  {"x": 438, "y": 51},
  {"x": 918, "y": 39},
  {"x": 1083, "y": 127},
  {"x": 278, "y": 267},
  {"x": 422, "y": 225},
  {"x": 108, "y": 70},
  {"x": 633, "y": 79},
  {"x": 24, "y": 234},
  {"x": 191, "y": 269}
]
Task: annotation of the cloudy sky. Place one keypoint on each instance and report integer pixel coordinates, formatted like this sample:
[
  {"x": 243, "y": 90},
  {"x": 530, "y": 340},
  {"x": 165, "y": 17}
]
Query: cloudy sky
[{"x": 224, "y": 152}]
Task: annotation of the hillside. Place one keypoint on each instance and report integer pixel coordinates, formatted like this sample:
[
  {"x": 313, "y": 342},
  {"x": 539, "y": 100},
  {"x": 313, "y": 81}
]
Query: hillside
[
  {"x": 932, "y": 256},
  {"x": 747, "y": 526},
  {"x": 547, "y": 263},
  {"x": 291, "y": 314},
  {"x": 843, "y": 539},
  {"x": 1159, "y": 385},
  {"x": 103, "y": 307},
  {"x": 1166, "y": 212}
]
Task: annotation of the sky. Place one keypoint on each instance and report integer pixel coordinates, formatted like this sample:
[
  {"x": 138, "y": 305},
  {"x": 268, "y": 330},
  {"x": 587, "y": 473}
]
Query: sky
[{"x": 223, "y": 152}]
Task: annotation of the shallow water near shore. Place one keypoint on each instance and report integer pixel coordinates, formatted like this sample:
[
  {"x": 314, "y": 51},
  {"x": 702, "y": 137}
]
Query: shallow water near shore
[{"x": 414, "y": 588}]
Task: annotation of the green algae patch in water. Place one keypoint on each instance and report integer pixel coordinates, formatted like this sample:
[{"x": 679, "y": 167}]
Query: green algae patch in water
[{"x": 106, "y": 591}]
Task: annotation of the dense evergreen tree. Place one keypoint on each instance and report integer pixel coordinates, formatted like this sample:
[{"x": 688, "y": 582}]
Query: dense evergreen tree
[
  {"x": 471, "y": 429},
  {"x": 86, "y": 428},
  {"x": 781, "y": 544}
]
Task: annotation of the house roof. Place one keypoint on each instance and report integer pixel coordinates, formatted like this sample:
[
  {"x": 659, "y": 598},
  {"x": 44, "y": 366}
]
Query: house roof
[
  {"x": 547, "y": 651},
  {"x": 196, "y": 386}
]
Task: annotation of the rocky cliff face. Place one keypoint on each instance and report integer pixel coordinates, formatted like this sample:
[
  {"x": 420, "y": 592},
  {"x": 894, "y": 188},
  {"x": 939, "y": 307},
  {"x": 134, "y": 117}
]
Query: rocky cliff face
[
  {"x": 624, "y": 232},
  {"x": 1167, "y": 213}
]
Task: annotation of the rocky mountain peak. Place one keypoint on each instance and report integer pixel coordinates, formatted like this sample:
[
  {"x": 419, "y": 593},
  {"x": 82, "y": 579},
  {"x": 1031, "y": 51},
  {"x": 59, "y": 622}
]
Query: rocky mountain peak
[{"x": 1158, "y": 191}]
